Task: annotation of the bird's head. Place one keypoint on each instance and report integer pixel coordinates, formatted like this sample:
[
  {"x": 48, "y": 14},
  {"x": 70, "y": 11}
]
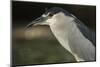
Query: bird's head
[{"x": 50, "y": 16}]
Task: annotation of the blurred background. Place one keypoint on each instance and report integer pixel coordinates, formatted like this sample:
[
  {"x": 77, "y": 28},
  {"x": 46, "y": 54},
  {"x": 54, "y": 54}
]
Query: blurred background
[{"x": 38, "y": 45}]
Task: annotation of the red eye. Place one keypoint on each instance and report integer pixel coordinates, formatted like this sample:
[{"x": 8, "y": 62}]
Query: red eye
[{"x": 51, "y": 14}]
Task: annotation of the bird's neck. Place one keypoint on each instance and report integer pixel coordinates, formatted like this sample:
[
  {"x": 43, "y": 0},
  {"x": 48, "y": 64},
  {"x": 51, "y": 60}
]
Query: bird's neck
[
  {"x": 62, "y": 31},
  {"x": 72, "y": 39}
]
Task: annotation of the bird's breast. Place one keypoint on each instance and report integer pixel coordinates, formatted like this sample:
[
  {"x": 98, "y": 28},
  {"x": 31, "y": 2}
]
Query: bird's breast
[{"x": 61, "y": 34}]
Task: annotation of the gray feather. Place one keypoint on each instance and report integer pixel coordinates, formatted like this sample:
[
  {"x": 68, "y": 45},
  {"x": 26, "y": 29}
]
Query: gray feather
[{"x": 88, "y": 33}]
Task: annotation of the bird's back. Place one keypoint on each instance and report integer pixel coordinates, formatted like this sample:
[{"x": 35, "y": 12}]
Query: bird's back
[{"x": 88, "y": 33}]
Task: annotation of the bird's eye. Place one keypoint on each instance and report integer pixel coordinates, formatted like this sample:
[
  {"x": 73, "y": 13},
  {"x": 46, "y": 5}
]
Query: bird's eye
[{"x": 51, "y": 14}]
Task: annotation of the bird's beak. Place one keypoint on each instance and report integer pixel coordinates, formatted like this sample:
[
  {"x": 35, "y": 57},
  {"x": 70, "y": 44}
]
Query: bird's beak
[{"x": 38, "y": 21}]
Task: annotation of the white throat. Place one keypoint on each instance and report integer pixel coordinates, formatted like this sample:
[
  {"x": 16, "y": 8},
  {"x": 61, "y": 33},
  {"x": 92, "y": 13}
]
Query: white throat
[{"x": 69, "y": 36}]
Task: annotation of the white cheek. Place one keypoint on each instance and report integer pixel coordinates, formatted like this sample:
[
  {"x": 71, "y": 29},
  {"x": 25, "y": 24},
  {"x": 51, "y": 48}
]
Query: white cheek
[
  {"x": 51, "y": 21},
  {"x": 44, "y": 15}
]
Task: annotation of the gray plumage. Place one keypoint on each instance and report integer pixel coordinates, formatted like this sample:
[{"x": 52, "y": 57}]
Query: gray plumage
[{"x": 71, "y": 33}]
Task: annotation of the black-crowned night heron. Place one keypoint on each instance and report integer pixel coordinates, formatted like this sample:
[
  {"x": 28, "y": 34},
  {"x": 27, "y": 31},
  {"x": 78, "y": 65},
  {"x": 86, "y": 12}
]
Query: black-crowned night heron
[{"x": 71, "y": 33}]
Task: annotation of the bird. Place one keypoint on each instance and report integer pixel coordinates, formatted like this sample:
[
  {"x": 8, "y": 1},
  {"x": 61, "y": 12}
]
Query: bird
[{"x": 70, "y": 32}]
